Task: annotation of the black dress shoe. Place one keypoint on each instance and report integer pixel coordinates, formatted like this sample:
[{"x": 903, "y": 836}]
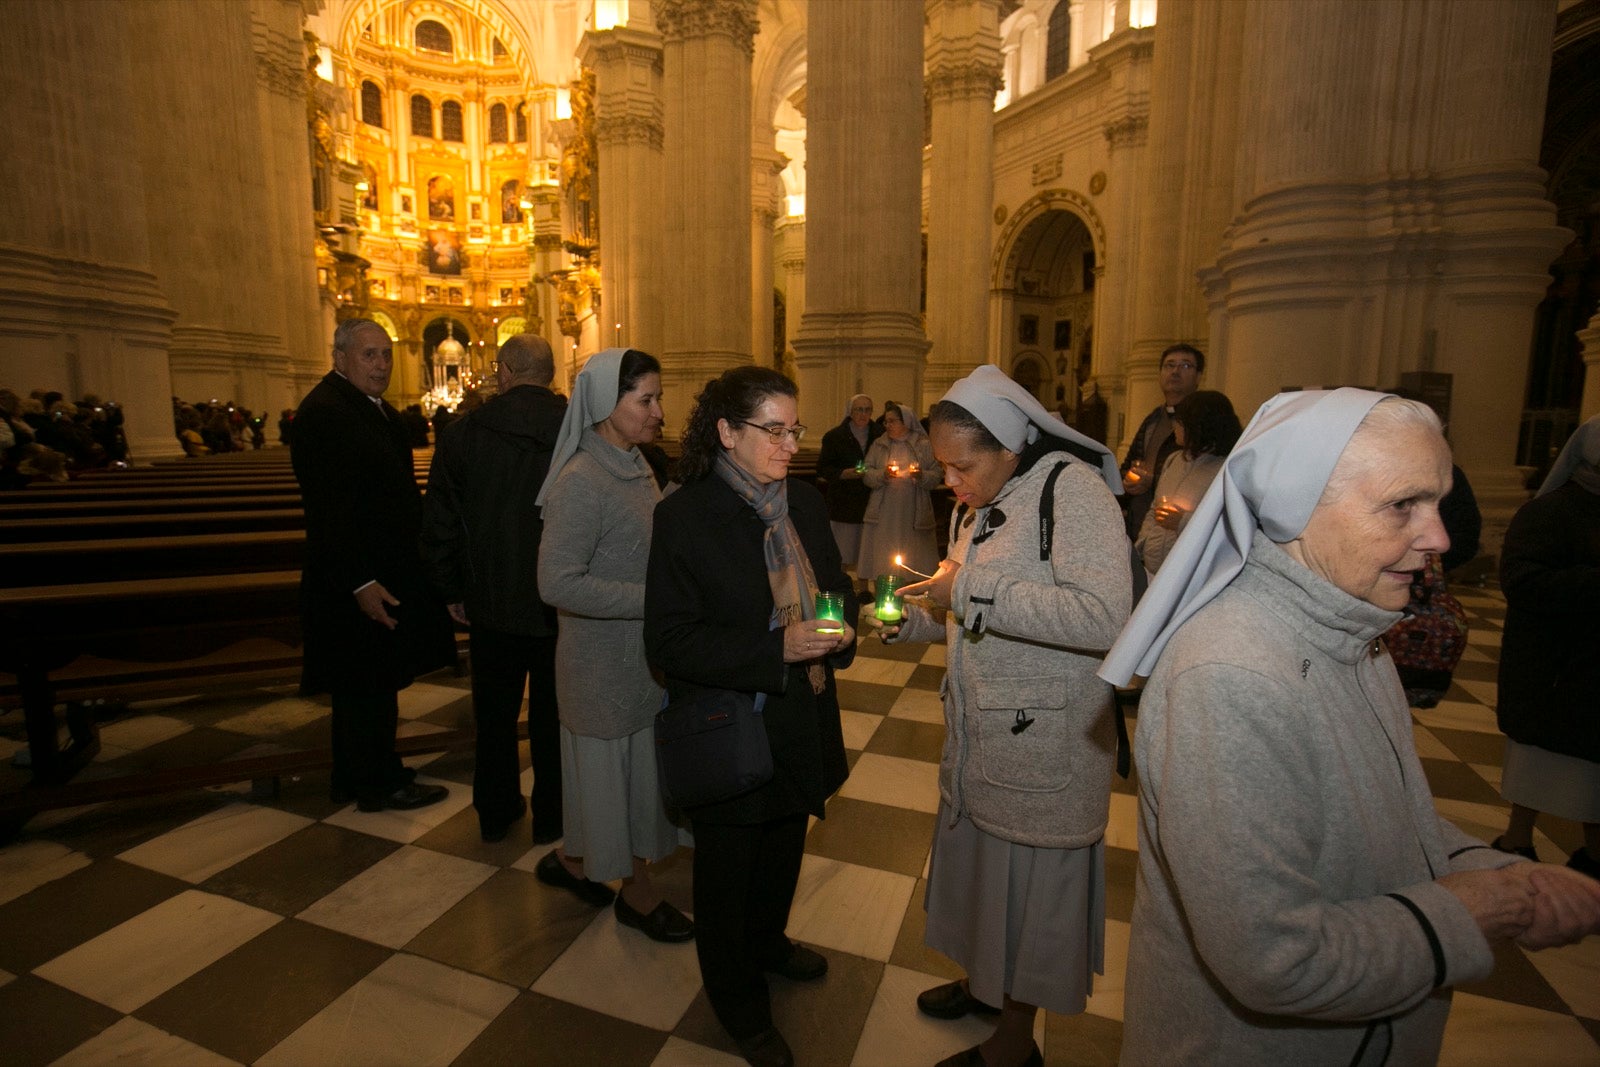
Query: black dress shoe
[
  {"x": 973, "y": 1057},
  {"x": 800, "y": 965},
  {"x": 406, "y": 798},
  {"x": 766, "y": 1049},
  {"x": 551, "y": 871},
  {"x": 664, "y": 923},
  {"x": 1526, "y": 853},
  {"x": 952, "y": 1001}
]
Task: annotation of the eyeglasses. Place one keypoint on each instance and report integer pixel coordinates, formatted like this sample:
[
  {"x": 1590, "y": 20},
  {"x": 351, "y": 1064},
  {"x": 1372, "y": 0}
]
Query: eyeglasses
[
  {"x": 778, "y": 433},
  {"x": 1178, "y": 364}
]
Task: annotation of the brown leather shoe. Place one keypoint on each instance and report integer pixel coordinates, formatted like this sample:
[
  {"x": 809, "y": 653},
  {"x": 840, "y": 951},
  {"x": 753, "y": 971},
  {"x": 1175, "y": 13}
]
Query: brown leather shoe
[{"x": 952, "y": 1001}]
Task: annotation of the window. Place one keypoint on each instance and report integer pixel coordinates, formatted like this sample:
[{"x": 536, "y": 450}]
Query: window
[
  {"x": 432, "y": 36},
  {"x": 522, "y": 123},
  {"x": 372, "y": 104},
  {"x": 421, "y": 117},
  {"x": 1058, "y": 41},
  {"x": 450, "y": 121},
  {"x": 497, "y": 124}
]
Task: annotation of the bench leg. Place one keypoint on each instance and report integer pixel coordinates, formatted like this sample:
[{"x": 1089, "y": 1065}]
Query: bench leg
[{"x": 52, "y": 765}]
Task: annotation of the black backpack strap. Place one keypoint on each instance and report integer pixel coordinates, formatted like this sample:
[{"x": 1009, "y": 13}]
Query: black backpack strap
[{"x": 1047, "y": 511}]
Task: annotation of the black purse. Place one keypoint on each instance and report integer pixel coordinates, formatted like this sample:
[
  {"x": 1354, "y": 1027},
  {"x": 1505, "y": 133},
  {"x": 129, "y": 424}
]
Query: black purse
[{"x": 711, "y": 747}]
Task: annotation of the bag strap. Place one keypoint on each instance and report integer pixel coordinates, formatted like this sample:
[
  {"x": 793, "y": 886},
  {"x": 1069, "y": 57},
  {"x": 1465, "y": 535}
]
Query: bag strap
[{"x": 1047, "y": 511}]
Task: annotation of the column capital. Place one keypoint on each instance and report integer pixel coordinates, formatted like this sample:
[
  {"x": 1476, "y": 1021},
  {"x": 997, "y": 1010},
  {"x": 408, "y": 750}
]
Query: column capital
[
  {"x": 620, "y": 43},
  {"x": 1130, "y": 131},
  {"x": 962, "y": 81},
  {"x": 681, "y": 20},
  {"x": 630, "y": 129}
]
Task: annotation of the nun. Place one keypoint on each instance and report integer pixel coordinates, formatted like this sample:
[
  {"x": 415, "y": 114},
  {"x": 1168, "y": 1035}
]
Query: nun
[
  {"x": 1299, "y": 900},
  {"x": 599, "y": 500},
  {"x": 1033, "y": 591},
  {"x": 898, "y": 523}
]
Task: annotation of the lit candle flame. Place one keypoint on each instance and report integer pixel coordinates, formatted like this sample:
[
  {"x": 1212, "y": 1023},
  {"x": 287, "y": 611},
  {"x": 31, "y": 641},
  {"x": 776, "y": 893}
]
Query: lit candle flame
[{"x": 900, "y": 561}]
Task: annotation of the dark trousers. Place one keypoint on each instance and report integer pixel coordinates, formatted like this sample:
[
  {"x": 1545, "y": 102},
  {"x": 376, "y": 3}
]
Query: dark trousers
[
  {"x": 744, "y": 881},
  {"x": 364, "y": 763},
  {"x": 501, "y": 662}
]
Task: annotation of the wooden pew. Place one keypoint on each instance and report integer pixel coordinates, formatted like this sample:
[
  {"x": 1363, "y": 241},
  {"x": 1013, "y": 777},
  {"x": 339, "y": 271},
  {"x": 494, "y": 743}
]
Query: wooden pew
[
  {"x": 156, "y": 505},
  {"x": 124, "y": 559},
  {"x": 122, "y": 526}
]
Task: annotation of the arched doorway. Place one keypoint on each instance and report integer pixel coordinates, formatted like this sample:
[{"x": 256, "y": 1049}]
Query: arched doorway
[
  {"x": 1045, "y": 303},
  {"x": 449, "y": 367}
]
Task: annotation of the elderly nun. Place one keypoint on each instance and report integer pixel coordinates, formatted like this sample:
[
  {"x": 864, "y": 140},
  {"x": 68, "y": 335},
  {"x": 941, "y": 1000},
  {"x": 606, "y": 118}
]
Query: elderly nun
[
  {"x": 1034, "y": 589},
  {"x": 599, "y": 499},
  {"x": 1299, "y": 900},
  {"x": 1549, "y": 671}
]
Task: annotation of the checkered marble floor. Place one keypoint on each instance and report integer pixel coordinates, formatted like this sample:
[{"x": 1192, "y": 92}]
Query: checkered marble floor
[{"x": 209, "y": 928}]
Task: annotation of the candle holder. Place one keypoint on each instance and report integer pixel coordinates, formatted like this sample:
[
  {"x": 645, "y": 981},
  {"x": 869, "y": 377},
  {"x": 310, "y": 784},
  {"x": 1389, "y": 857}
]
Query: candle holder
[
  {"x": 830, "y": 607},
  {"x": 887, "y": 594}
]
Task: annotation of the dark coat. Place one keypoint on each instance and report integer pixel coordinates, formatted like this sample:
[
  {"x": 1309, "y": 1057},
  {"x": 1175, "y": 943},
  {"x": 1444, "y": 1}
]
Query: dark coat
[
  {"x": 1550, "y": 651},
  {"x": 363, "y": 510},
  {"x": 707, "y": 606},
  {"x": 481, "y": 530},
  {"x": 847, "y": 497}
]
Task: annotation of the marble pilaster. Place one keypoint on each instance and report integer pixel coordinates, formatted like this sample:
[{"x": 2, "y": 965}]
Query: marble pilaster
[
  {"x": 791, "y": 239},
  {"x": 862, "y": 328},
  {"x": 963, "y": 74},
  {"x": 766, "y": 208},
  {"x": 706, "y": 56}
]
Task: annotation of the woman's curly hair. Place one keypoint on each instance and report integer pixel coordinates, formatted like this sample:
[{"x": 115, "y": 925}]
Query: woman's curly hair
[{"x": 734, "y": 396}]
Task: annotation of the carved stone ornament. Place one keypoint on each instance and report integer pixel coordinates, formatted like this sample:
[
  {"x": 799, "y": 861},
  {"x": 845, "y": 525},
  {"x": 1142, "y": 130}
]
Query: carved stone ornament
[
  {"x": 1129, "y": 132},
  {"x": 961, "y": 81},
  {"x": 1097, "y": 183},
  {"x": 999, "y": 214},
  {"x": 1047, "y": 170},
  {"x": 682, "y": 20}
]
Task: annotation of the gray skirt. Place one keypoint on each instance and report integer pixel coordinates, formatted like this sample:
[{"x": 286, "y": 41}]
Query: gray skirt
[
  {"x": 1024, "y": 922},
  {"x": 611, "y": 803},
  {"x": 1564, "y": 786}
]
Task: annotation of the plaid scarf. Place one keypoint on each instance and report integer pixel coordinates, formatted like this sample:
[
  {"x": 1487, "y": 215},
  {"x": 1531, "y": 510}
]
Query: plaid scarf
[{"x": 794, "y": 584}]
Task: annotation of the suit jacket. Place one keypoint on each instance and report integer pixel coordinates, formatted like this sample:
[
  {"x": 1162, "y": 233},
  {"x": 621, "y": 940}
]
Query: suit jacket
[
  {"x": 707, "y": 607},
  {"x": 847, "y": 497},
  {"x": 352, "y": 459}
]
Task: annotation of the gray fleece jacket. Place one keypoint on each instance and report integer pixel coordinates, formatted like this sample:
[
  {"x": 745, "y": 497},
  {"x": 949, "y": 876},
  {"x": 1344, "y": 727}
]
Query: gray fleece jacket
[
  {"x": 1025, "y": 639},
  {"x": 592, "y": 560},
  {"x": 1287, "y": 910}
]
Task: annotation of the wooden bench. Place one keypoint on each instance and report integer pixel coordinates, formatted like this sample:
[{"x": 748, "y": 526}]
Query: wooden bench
[
  {"x": 123, "y": 559},
  {"x": 154, "y": 505},
  {"x": 94, "y": 527}
]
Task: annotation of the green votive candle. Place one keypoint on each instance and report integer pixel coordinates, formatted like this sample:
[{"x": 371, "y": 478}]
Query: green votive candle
[{"x": 830, "y": 607}]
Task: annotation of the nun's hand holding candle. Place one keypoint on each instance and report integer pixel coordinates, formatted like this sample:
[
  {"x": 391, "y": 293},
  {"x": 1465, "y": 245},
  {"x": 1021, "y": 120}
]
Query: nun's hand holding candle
[{"x": 1299, "y": 899}]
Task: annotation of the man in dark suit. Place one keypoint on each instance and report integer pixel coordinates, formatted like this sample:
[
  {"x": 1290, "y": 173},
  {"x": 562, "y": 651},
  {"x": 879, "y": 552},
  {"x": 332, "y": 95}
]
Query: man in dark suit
[
  {"x": 371, "y": 621},
  {"x": 843, "y": 448},
  {"x": 480, "y": 538}
]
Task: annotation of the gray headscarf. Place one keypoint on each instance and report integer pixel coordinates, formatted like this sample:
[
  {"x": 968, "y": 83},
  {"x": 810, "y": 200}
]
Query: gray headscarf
[
  {"x": 594, "y": 396},
  {"x": 912, "y": 424},
  {"x": 1273, "y": 479},
  {"x": 1016, "y": 418},
  {"x": 1579, "y": 461}
]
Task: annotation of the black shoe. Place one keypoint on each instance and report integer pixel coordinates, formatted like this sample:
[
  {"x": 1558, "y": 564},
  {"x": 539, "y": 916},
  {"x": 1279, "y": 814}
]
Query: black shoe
[
  {"x": 664, "y": 923},
  {"x": 800, "y": 965},
  {"x": 1584, "y": 863},
  {"x": 497, "y": 829},
  {"x": 546, "y": 835},
  {"x": 952, "y": 1001},
  {"x": 973, "y": 1057},
  {"x": 551, "y": 871},
  {"x": 766, "y": 1049},
  {"x": 1526, "y": 853},
  {"x": 406, "y": 798}
]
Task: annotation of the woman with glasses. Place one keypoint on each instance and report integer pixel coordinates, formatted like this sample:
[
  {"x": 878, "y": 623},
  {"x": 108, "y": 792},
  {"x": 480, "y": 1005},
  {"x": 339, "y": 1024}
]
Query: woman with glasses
[
  {"x": 1205, "y": 429},
  {"x": 736, "y": 560},
  {"x": 899, "y": 519},
  {"x": 1033, "y": 590}
]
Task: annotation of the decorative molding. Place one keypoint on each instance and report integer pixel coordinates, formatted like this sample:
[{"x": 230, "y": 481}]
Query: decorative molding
[
  {"x": 280, "y": 64},
  {"x": 1129, "y": 132},
  {"x": 630, "y": 130},
  {"x": 681, "y": 20},
  {"x": 964, "y": 81},
  {"x": 1002, "y": 264},
  {"x": 1047, "y": 170}
]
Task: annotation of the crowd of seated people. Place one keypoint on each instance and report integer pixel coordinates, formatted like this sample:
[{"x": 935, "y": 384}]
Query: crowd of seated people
[
  {"x": 211, "y": 428},
  {"x": 44, "y": 436}
]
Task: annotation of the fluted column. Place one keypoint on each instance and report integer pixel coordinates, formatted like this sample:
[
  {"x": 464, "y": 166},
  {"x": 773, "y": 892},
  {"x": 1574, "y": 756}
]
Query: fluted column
[
  {"x": 629, "y": 138},
  {"x": 1589, "y": 339},
  {"x": 791, "y": 238},
  {"x": 706, "y": 53},
  {"x": 862, "y": 328},
  {"x": 1390, "y": 213},
  {"x": 766, "y": 208},
  {"x": 963, "y": 55},
  {"x": 195, "y": 122},
  {"x": 1185, "y": 202},
  {"x": 81, "y": 307}
]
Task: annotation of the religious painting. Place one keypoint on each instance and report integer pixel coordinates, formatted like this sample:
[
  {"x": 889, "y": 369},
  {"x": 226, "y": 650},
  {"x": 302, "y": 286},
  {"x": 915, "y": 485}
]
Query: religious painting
[
  {"x": 511, "y": 201},
  {"x": 506, "y": 294},
  {"x": 443, "y": 252},
  {"x": 369, "y": 198},
  {"x": 441, "y": 198},
  {"x": 1028, "y": 329},
  {"x": 455, "y": 295},
  {"x": 405, "y": 204},
  {"x": 476, "y": 210},
  {"x": 1063, "y": 334},
  {"x": 430, "y": 294},
  {"x": 378, "y": 288}
]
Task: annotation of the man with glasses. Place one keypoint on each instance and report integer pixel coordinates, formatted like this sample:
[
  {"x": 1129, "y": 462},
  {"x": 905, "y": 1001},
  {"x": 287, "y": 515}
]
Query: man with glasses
[
  {"x": 1181, "y": 368},
  {"x": 844, "y": 451}
]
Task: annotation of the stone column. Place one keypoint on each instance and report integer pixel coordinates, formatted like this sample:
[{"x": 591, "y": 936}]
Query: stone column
[
  {"x": 195, "y": 123},
  {"x": 629, "y": 137},
  {"x": 1589, "y": 339},
  {"x": 706, "y": 54},
  {"x": 1388, "y": 195},
  {"x": 791, "y": 238},
  {"x": 81, "y": 307},
  {"x": 766, "y": 208},
  {"x": 963, "y": 72},
  {"x": 862, "y": 328}
]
